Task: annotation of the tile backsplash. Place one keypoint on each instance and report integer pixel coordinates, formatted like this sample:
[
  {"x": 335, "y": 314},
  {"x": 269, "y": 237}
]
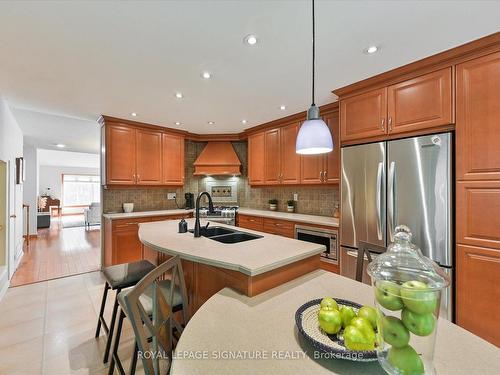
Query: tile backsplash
[{"x": 315, "y": 200}]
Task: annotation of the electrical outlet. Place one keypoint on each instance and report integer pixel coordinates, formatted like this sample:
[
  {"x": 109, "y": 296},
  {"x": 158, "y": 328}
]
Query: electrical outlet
[
  {"x": 171, "y": 196},
  {"x": 295, "y": 197}
]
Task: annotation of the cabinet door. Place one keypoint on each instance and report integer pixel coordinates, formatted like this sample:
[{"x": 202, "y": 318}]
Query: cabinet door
[
  {"x": 126, "y": 244},
  {"x": 250, "y": 222},
  {"x": 420, "y": 103},
  {"x": 290, "y": 160},
  {"x": 272, "y": 167},
  {"x": 120, "y": 155},
  {"x": 478, "y": 291},
  {"x": 172, "y": 159},
  {"x": 478, "y": 213},
  {"x": 478, "y": 119},
  {"x": 363, "y": 116},
  {"x": 148, "y": 157},
  {"x": 311, "y": 169},
  {"x": 256, "y": 159},
  {"x": 332, "y": 159}
]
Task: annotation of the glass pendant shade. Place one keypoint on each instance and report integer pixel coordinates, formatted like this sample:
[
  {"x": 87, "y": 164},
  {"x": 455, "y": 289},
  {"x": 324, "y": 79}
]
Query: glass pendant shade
[{"x": 314, "y": 135}]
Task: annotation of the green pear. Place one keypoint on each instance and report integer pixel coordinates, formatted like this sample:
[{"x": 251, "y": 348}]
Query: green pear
[
  {"x": 370, "y": 314},
  {"x": 347, "y": 314},
  {"x": 394, "y": 332},
  {"x": 419, "y": 324},
  {"x": 329, "y": 304},
  {"x": 330, "y": 321},
  {"x": 406, "y": 360},
  {"x": 418, "y": 298},
  {"x": 355, "y": 339},
  {"x": 387, "y": 295},
  {"x": 364, "y": 326}
]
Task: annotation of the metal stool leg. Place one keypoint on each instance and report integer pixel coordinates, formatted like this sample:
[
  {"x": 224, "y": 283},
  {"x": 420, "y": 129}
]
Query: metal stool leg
[
  {"x": 101, "y": 312},
  {"x": 111, "y": 327},
  {"x": 114, "y": 355}
]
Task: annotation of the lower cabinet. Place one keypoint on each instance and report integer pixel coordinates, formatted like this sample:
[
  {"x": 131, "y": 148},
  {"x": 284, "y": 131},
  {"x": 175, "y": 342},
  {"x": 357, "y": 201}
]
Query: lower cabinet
[
  {"x": 251, "y": 222},
  {"x": 121, "y": 241},
  {"x": 478, "y": 291}
]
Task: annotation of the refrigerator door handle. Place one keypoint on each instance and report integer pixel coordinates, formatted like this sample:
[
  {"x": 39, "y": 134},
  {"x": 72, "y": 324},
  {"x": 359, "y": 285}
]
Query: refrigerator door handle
[
  {"x": 379, "y": 200},
  {"x": 390, "y": 201}
]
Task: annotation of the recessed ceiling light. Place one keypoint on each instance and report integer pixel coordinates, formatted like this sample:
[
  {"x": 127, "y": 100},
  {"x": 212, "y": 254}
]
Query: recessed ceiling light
[
  {"x": 211, "y": 123},
  {"x": 134, "y": 114},
  {"x": 243, "y": 121},
  {"x": 179, "y": 95},
  {"x": 371, "y": 49},
  {"x": 60, "y": 145},
  {"x": 282, "y": 107},
  {"x": 250, "y": 40},
  {"x": 178, "y": 123},
  {"x": 206, "y": 75}
]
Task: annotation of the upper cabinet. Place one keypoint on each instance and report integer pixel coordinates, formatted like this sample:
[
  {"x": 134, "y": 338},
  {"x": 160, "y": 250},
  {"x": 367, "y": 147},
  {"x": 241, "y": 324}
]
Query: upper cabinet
[
  {"x": 415, "y": 105},
  {"x": 272, "y": 159},
  {"x": 422, "y": 102},
  {"x": 138, "y": 155},
  {"x": 478, "y": 119}
]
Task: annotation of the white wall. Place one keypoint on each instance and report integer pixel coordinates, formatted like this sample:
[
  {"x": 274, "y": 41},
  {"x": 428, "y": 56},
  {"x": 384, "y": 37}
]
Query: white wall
[
  {"x": 11, "y": 146},
  {"x": 30, "y": 188}
]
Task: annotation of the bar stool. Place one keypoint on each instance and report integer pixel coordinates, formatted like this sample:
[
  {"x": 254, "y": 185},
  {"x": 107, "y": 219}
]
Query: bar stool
[
  {"x": 150, "y": 306},
  {"x": 117, "y": 278}
]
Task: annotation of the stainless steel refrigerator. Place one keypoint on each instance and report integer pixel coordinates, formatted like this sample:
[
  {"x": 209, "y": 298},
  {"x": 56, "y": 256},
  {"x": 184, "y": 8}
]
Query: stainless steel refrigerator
[{"x": 406, "y": 181}]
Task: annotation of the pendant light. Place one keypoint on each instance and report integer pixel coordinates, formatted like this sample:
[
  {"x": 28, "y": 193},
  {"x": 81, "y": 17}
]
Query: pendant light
[{"x": 314, "y": 135}]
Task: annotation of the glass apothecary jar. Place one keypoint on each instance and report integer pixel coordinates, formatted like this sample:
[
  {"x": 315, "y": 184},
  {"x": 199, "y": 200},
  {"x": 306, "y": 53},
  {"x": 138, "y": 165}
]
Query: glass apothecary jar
[{"x": 407, "y": 288}]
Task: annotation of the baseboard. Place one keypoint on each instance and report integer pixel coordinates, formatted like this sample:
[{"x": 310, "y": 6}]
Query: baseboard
[{"x": 4, "y": 281}]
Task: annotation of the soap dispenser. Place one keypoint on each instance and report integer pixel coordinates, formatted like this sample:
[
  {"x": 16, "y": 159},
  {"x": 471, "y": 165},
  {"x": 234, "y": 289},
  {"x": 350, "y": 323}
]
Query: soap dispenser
[{"x": 183, "y": 226}]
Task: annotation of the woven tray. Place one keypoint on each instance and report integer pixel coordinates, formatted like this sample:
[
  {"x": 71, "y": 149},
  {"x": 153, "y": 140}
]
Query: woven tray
[{"x": 306, "y": 319}]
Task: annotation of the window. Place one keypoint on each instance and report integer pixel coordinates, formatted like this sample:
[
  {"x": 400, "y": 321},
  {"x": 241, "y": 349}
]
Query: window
[{"x": 80, "y": 190}]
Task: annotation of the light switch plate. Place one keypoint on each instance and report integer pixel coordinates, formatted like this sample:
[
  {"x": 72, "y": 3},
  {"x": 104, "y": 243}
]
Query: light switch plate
[
  {"x": 295, "y": 197},
  {"x": 171, "y": 195}
]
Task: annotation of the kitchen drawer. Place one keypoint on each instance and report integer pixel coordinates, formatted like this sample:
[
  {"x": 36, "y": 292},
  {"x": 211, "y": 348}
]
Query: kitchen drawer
[
  {"x": 171, "y": 217},
  {"x": 127, "y": 223},
  {"x": 281, "y": 227},
  {"x": 250, "y": 222}
]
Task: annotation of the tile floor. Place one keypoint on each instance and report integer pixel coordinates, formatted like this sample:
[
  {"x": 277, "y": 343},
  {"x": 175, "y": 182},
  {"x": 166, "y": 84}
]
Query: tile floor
[{"x": 48, "y": 328}]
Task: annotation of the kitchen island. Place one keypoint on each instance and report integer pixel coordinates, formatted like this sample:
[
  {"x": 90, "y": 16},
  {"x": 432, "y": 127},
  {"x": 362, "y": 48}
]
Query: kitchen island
[
  {"x": 260, "y": 333},
  {"x": 249, "y": 267}
]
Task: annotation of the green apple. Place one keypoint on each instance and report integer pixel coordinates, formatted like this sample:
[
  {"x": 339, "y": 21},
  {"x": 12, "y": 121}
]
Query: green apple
[
  {"x": 347, "y": 314},
  {"x": 355, "y": 339},
  {"x": 330, "y": 321},
  {"x": 406, "y": 360},
  {"x": 387, "y": 295},
  {"x": 419, "y": 324},
  {"x": 370, "y": 314},
  {"x": 418, "y": 298},
  {"x": 394, "y": 332},
  {"x": 329, "y": 304},
  {"x": 364, "y": 326}
]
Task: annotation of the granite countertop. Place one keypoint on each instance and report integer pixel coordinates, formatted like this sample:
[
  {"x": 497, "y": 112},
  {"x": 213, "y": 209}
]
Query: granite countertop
[
  {"x": 232, "y": 323},
  {"x": 301, "y": 218},
  {"x": 123, "y": 215},
  {"x": 250, "y": 257}
]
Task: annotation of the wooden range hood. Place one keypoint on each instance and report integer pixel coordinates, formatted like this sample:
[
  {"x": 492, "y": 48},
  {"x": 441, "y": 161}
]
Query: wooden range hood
[{"x": 217, "y": 158}]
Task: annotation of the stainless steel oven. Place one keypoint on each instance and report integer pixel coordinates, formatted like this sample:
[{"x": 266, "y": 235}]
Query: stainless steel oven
[{"x": 327, "y": 237}]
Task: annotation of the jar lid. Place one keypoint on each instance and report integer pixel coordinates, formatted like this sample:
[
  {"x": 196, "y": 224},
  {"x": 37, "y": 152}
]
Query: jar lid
[{"x": 403, "y": 261}]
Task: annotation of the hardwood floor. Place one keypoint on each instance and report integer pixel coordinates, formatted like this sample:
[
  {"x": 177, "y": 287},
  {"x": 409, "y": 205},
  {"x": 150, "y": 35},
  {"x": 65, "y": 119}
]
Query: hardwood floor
[{"x": 59, "y": 252}]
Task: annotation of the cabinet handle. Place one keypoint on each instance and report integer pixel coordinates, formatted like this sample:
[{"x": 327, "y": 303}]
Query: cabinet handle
[
  {"x": 389, "y": 121},
  {"x": 133, "y": 178},
  {"x": 132, "y": 223},
  {"x": 277, "y": 224},
  {"x": 251, "y": 219},
  {"x": 321, "y": 176},
  {"x": 138, "y": 177},
  {"x": 324, "y": 176},
  {"x": 382, "y": 124}
]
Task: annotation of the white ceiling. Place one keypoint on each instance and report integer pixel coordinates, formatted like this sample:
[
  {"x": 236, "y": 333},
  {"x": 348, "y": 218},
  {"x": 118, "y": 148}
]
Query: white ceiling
[
  {"x": 67, "y": 159},
  {"x": 83, "y": 59}
]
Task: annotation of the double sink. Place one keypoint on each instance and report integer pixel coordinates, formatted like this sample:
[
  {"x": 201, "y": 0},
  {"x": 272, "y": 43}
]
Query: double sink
[{"x": 226, "y": 235}]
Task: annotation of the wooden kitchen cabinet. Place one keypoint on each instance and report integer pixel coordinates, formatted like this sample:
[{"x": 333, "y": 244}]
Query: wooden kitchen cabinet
[
  {"x": 272, "y": 157},
  {"x": 478, "y": 118},
  {"x": 125, "y": 244},
  {"x": 172, "y": 159},
  {"x": 420, "y": 103},
  {"x": 149, "y": 164},
  {"x": 332, "y": 159},
  {"x": 120, "y": 155},
  {"x": 142, "y": 155},
  {"x": 478, "y": 291},
  {"x": 290, "y": 160},
  {"x": 283, "y": 228},
  {"x": 311, "y": 169},
  {"x": 364, "y": 115},
  {"x": 251, "y": 222},
  {"x": 256, "y": 159}
]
